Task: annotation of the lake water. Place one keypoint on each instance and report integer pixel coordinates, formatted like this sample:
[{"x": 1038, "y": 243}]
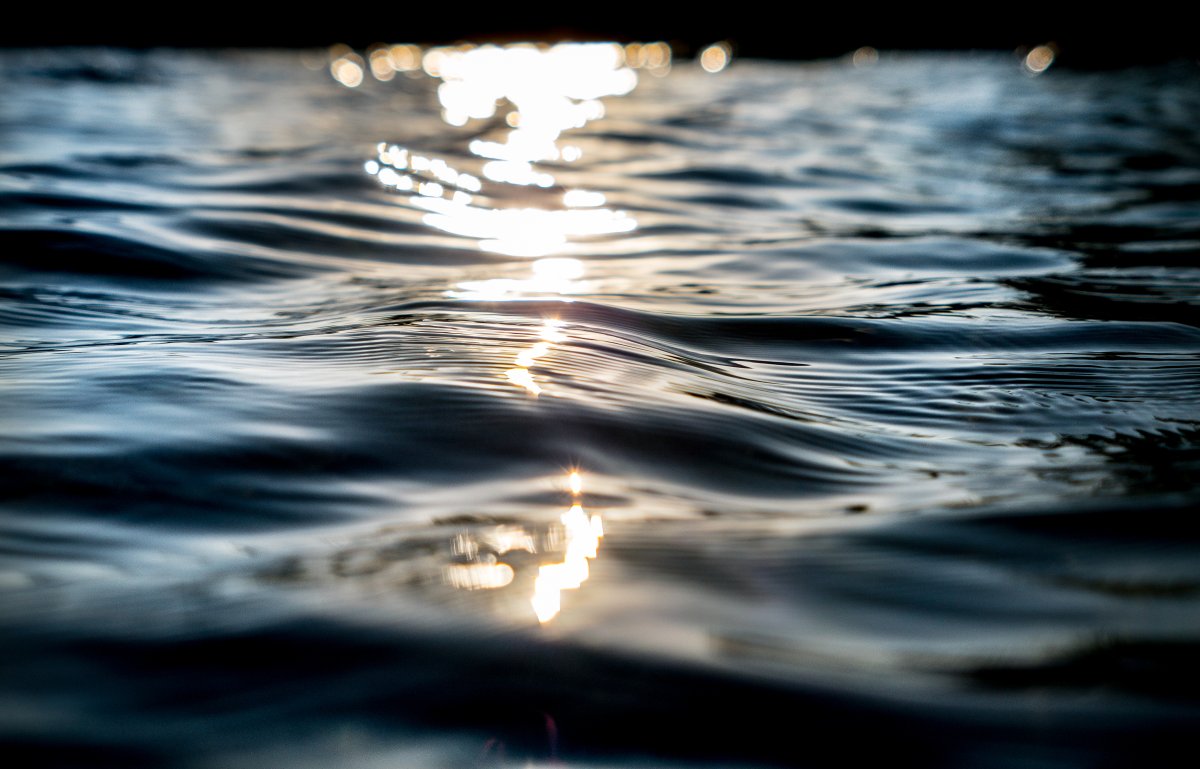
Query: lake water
[{"x": 538, "y": 409}]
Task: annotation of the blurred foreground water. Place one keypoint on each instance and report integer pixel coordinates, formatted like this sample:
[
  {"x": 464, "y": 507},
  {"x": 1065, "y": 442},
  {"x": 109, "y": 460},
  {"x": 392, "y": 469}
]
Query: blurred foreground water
[{"x": 537, "y": 409}]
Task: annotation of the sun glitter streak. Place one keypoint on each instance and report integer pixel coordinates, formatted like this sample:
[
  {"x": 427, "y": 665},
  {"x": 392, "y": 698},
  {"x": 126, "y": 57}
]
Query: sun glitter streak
[{"x": 583, "y": 534}]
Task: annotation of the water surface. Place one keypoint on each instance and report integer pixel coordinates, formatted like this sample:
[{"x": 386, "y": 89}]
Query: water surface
[{"x": 373, "y": 426}]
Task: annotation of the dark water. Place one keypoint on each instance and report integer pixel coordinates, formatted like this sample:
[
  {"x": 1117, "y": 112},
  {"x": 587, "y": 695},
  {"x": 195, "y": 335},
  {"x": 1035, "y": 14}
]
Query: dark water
[{"x": 881, "y": 384}]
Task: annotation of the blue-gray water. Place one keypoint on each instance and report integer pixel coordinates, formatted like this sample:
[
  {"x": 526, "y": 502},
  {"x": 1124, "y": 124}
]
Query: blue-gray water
[{"x": 880, "y": 384}]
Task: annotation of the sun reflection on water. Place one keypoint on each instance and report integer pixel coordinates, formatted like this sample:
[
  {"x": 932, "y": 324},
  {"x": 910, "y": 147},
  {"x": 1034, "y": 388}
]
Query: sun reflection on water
[
  {"x": 543, "y": 91},
  {"x": 582, "y": 536},
  {"x": 529, "y": 232},
  {"x": 521, "y": 375},
  {"x": 540, "y": 92},
  {"x": 572, "y": 541},
  {"x": 552, "y": 277}
]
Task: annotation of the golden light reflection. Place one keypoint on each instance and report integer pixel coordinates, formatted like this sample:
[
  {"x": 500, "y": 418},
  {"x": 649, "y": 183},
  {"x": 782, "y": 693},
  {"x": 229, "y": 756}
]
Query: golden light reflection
[
  {"x": 405, "y": 58},
  {"x": 348, "y": 70},
  {"x": 573, "y": 541},
  {"x": 865, "y": 57},
  {"x": 716, "y": 57},
  {"x": 431, "y": 61},
  {"x": 381, "y": 64},
  {"x": 1039, "y": 59},
  {"x": 652, "y": 57},
  {"x": 382, "y": 61}
]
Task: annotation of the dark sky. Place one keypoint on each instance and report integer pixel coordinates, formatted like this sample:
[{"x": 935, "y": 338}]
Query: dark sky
[{"x": 1142, "y": 32}]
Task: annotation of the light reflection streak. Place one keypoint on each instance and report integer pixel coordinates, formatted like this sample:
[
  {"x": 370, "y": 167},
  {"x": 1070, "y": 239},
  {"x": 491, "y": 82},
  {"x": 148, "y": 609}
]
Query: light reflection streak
[
  {"x": 581, "y": 535},
  {"x": 449, "y": 198},
  {"x": 520, "y": 374},
  {"x": 523, "y": 231},
  {"x": 574, "y": 539},
  {"x": 555, "y": 276},
  {"x": 504, "y": 289},
  {"x": 551, "y": 90}
]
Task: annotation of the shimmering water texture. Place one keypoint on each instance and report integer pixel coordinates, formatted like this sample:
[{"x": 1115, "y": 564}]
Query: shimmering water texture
[{"x": 587, "y": 406}]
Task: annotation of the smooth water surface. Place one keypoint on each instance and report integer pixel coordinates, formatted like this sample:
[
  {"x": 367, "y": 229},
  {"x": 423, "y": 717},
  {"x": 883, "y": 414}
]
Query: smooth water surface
[{"x": 548, "y": 410}]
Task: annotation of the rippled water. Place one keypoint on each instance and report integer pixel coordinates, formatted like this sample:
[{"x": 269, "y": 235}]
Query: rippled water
[{"x": 857, "y": 410}]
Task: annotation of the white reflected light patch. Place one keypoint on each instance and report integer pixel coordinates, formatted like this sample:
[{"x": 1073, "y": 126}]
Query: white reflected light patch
[
  {"x": 448, "y": 197},
  {"x": 551, "y": 89},
  {"x": 518, "y": 172},
  {"x": 574, "y": 539},
  {"x": 581, "y": 535},
  {"x": 557, "y": 277},
  {"x": 479, "y": 576},
  {"x": 583, "y": 199},
  {"x": 522, "y": 231}
]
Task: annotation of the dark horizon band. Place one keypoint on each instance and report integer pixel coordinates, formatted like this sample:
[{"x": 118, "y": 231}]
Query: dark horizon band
[{"x": 1096, "y": 40}]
